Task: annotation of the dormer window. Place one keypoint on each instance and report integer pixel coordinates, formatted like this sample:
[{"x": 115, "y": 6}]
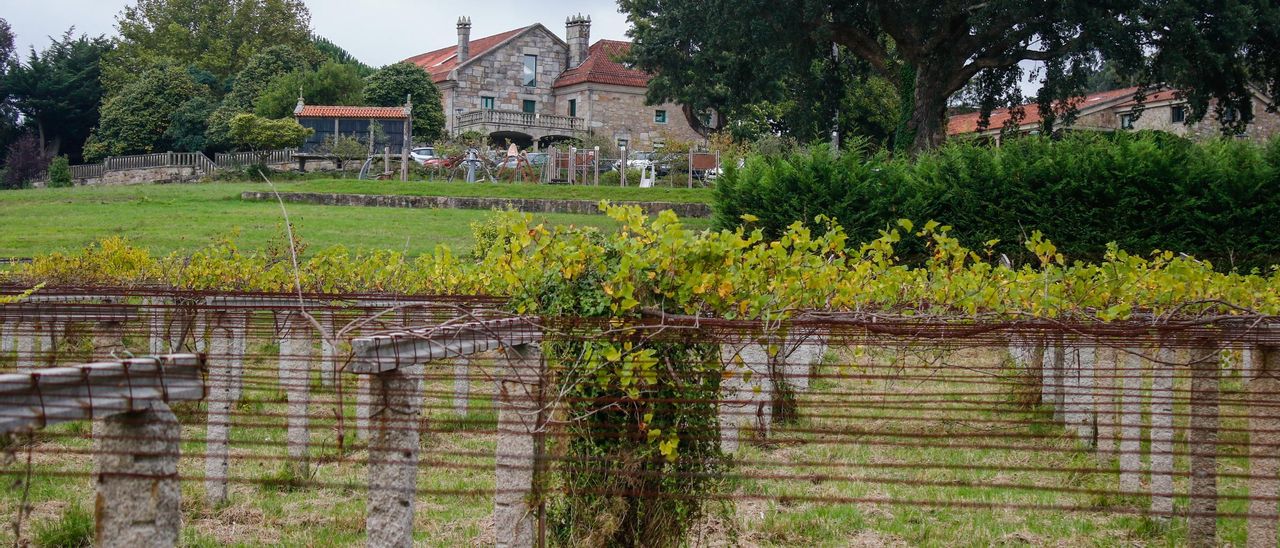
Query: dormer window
[{"x": 530, "y": 71}]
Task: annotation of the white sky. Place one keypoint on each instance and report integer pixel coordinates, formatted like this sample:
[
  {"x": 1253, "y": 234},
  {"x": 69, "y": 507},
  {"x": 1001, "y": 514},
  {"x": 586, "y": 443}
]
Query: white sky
[{"x": 378, "y": 32}]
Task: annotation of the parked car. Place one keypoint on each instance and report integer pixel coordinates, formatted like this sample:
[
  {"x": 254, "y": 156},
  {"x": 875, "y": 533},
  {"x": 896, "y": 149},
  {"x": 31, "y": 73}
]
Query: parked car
[
  {"x": 422, "y": 154},
  {"x": 643, "y": 160},
  {"x": 534, "y": 159}
]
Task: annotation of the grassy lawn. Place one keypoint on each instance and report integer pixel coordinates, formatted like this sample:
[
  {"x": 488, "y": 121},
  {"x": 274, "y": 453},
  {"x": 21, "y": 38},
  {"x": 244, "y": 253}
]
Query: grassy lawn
[
  {"x": 503, "y": 190},
  {"x": 165, "y": 218}
]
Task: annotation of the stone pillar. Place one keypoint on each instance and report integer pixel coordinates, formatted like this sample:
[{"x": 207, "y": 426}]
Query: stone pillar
[
  {"x": 518, "y": 448},
  {"x": 1202, "y": 440},
  {"x": 1107, "y": 374},
  {"x": 746, "y": 395},
  {"x": 139, "y": 501},
  {"x": 803, "y": 355},
  {"x": 1162, "y": 433},
  {"x": 29, "y": 334},
  {"x": 223, "y": 378},
  {"x": 155, "y": 324},
  {"x": 328, "y": 349},
  {"x": 393, "y": 456},
  {"x": 364, "y": 401},
  {"x": 1264, "y": 450},
  {"x": 1078, "y": 391},
  {"x": 239, "y": 325},
  {"x": 8, "y": 336},
  {"x": 1131, "y": 420},
  {"x": 461, "y": 386},
  {"x": 1057, "y": 380},
  {"x": 297, "y": 350}
]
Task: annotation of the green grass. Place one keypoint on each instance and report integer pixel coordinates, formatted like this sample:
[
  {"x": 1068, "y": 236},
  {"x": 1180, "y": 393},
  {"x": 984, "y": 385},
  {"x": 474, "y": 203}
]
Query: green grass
[{"x": 165, "y": 218}]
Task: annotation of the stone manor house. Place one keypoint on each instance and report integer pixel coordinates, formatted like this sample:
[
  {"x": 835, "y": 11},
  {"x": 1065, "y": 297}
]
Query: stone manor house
[
  {"x": 531, "y": 87},
  {"x": 1118, "y": 110}
]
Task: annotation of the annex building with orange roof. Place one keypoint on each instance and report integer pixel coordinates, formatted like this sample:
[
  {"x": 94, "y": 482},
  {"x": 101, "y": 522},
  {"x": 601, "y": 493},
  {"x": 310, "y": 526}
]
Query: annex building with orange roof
[
  {"x": 532, "y": 87},
  {"x": 1161, "y": 109}
]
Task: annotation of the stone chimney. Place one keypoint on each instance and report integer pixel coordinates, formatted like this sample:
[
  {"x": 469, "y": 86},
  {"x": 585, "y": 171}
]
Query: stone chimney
[
  {"x": 578, "y": 35},
  {"x": 464, "y": 39}
]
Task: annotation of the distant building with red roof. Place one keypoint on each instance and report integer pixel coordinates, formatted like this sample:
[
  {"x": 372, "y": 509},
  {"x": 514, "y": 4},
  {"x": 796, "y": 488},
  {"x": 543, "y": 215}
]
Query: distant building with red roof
[
  {"x": 1118, "y": 110},
  {"x": 528, "y": 85},
  {"x": 328, "y": 122}
]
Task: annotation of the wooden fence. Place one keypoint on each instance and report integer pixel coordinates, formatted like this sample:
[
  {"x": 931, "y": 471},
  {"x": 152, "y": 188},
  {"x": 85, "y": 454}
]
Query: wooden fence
[{"x": 241, "y": 159}]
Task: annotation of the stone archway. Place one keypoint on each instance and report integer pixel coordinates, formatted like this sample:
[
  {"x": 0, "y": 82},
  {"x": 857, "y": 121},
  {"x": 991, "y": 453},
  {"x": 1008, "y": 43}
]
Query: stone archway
[
  {"x": 548, "y": 141},
  {"x": 500, "y": 139}
]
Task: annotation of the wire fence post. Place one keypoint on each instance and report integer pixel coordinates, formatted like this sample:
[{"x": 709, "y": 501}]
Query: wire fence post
[
  {"x": 1264, "y": 442},
  {"x": 139, "y": 501},
  {"x": 1202, "y": 442},
  {"x": 516, "y": 459},
  {"x": 393, "y": 456}
]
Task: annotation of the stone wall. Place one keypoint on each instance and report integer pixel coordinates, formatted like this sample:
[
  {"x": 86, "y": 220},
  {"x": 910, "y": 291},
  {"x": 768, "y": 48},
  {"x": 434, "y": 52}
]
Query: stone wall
[
  {"x": 620, "y": 112},
  {"x": 1159, "y": 117},
  {"x": 499, "y": 73},
  {"x": 152, "y": 175},
  {"x": 580, "y": 207}
]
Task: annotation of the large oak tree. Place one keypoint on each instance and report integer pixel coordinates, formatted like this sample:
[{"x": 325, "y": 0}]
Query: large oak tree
[
  {"x": 727, "y": 53},
  {"x": 218, "y": 36}
]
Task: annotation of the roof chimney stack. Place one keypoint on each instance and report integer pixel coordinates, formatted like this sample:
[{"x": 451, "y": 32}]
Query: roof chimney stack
[
  {"x": 578, "y": 35},
  {"x": 464, "y": 39}
]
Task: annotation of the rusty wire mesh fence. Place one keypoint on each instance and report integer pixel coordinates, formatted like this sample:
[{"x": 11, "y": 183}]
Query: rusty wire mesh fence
[{"x": 385, "y": 419}]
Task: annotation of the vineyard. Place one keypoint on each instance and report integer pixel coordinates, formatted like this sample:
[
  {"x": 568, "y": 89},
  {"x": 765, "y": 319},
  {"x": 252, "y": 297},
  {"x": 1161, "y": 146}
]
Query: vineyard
[{"x": 645, "y": 385}]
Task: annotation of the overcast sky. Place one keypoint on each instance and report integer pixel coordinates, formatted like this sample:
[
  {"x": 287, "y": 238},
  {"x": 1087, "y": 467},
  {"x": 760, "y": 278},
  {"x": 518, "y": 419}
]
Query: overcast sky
[{"x": 378, "y": 32}]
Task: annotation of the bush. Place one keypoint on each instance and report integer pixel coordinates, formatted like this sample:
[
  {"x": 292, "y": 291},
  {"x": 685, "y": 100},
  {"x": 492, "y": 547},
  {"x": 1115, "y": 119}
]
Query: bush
[
  {"x": 24, "y": 162},
  {"x": 60, "y": 172},
  {"x": 1218, "y": 200},
  {"x": 612, "y": 178}
]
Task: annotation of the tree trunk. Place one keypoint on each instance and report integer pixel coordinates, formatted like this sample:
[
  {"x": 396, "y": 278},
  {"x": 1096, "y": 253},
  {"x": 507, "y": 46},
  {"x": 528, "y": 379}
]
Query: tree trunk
[{"x": 927, "y": 126}]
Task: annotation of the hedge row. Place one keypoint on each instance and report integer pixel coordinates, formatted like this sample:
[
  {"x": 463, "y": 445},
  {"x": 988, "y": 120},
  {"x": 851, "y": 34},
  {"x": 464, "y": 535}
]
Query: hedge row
[{"x": 1218, "y": 200}]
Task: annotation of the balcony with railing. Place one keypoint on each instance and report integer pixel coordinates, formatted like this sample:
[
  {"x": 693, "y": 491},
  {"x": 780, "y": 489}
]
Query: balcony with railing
[{"x": 489, "y": 121}]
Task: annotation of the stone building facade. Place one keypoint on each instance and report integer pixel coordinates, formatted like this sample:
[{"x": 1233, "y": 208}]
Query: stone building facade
[
  {"x": 1118, "y": 110},
  {"x": 533, "y": 88}
]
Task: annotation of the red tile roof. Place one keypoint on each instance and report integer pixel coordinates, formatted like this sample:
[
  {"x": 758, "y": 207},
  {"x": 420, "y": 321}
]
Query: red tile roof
[
  {"x": 968, "y": 123},
  {"x": 441, "y": 62},
  {"x": 1154, "y": 97},
  {"x": 317, "y": 111},
  {"x": 602, "y": 67}
]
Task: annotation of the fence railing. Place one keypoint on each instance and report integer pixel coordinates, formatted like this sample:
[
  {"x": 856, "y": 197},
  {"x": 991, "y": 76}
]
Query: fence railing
[
  {"x": 519, "y": 119},
  {"x": 161, "y": 159},
  {"x": 88, "y": 171},
  {"x": 240, "y": 159}
]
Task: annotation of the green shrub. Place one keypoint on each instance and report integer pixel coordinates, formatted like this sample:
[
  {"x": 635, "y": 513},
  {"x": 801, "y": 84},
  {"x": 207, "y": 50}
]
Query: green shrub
[
  {"x": 74, "y": 528},
  {"x": 612, "y": 178},
  {"x": 1218, "y": 200},
  {"x": 60, "y": 172}
]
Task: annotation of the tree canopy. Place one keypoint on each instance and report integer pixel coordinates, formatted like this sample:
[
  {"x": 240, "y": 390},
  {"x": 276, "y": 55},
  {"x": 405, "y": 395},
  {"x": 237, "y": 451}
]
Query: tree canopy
[
  {"x": 726, "y": 54},
  {"x": 219, "y": 36},
  {"x": 136, "y": 120},
  {"x": 391, "y": 85},
  {"x": 260, "y": 134},
  {"x": 58, "y": 91},
  {"x": 331, "y": 84},
  {"x": 259, "y": 72},
  {"x": 8, "y": 115}
]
